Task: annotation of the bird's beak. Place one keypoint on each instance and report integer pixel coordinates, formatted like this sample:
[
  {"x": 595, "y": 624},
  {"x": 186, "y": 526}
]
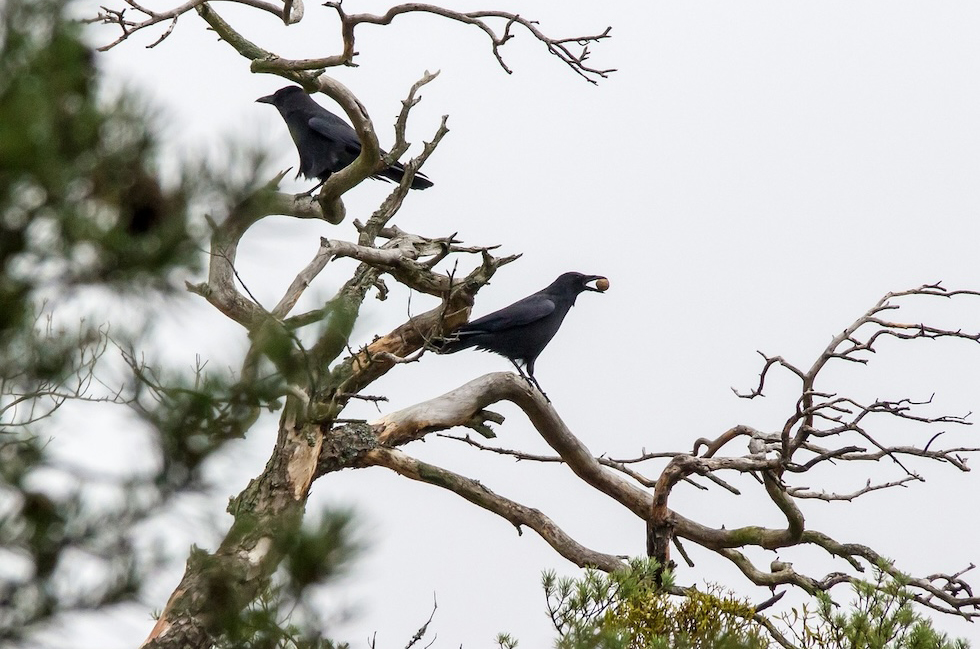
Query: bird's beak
[
  {"x": 601, "y": 283},
  {"x": 268, "y": 99}
]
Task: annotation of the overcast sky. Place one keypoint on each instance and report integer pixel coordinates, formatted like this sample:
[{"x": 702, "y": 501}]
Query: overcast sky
[{"x": 754, "y": 177}]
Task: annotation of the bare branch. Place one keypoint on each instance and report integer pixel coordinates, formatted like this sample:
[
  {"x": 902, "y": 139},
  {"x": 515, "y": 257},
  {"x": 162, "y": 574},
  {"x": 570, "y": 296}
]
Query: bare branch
[
  {"x": 604, "y": 461},
  {"x": 401, "y": 123},
  {"x": 425, "y": 627},
  {"x": 565, "y": 49},
  {"x": 802, "y": 492},
  {"x": 775, "y": 360},
  {"x": 129, "y": 27},
  {"x": 455, "y": 408},
  {"x": 560, "y": 47},
  {"x": 476, "y": 493},
  {"x": 531, "y": 457},
  {"x": 302, "y": 282}
]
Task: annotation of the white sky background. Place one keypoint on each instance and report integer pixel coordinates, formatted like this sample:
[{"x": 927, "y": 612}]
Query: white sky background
[{"x": 754, "y": 177}]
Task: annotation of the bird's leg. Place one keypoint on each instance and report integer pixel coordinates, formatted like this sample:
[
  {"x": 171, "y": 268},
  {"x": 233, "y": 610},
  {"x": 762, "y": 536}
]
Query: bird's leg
[
  {"x": 530, "y": 380},
  {"x": 309, "y": 192},
  {"x": 538, "y": 386},
  {"x": 520, "y": 370}
]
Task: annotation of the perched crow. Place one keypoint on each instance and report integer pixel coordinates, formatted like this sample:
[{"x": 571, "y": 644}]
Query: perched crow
[
  {"x": 325, "y": 142},
  {"x": 522, "y": 330}
]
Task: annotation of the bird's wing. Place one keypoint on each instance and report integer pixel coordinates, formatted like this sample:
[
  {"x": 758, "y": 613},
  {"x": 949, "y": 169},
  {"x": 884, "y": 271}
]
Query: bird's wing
[
  {"x": 522, "y": 312},
  {"x": 337, "y": 130}
]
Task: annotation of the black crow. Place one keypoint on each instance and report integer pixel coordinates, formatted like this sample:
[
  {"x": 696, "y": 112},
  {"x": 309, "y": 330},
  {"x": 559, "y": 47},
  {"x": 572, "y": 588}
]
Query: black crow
[
  {"x": 325, "y": 142},
  {"x": 522, "y": 330}
]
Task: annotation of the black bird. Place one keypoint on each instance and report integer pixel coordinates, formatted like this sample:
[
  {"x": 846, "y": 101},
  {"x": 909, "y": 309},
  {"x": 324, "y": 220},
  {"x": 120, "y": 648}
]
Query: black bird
[
  {"x": 325, "y": 142},
  {"x": 522, "y": 330}
]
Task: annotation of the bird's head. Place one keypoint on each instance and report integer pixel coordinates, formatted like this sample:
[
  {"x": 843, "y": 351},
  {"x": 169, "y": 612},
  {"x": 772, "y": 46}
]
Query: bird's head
[
  {"x": 574, "y": 283},
  {"x": 281, "y": 96},
  {"x": 580, "y": 282}
]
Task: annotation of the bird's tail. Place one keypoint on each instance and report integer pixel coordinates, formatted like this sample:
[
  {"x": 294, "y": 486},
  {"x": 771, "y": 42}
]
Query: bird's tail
[
  {"x": 396, "y": 171},
  {"x": 451, "y": 344}
]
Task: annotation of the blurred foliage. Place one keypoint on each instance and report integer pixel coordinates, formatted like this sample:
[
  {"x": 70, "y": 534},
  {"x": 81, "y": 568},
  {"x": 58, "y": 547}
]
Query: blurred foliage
[
  {"x": 81, "y": 201},
  {"x": 630, "y": 609},
  {"x": 83, "y": 206},
  {"x": 45, "y": 541},
  {"x": 192, "y": 415},
  {"x": 285, "y": 616}
]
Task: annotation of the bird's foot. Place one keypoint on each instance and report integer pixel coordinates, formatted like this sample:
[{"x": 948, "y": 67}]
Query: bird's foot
[
  {"x": 530, "y": 380},
  {"x": 538, "y": 386},
  {"x": 310, "y": 191}
]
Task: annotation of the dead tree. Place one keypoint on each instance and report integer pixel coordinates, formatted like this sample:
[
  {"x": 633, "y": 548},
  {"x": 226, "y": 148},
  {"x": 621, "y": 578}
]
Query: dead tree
[{"x": 314, "y": 441}]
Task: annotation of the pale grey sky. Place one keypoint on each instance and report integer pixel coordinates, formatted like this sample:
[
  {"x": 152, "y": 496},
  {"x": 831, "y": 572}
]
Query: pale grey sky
[{"x": 754, "y": 177}]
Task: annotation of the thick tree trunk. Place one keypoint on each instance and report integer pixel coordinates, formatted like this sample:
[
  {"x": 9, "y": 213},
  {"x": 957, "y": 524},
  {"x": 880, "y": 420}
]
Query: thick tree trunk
[{"x": 217, "y": 586}]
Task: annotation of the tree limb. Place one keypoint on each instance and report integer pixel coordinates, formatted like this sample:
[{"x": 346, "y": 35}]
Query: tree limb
[{"x": 479, "y": 495}]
